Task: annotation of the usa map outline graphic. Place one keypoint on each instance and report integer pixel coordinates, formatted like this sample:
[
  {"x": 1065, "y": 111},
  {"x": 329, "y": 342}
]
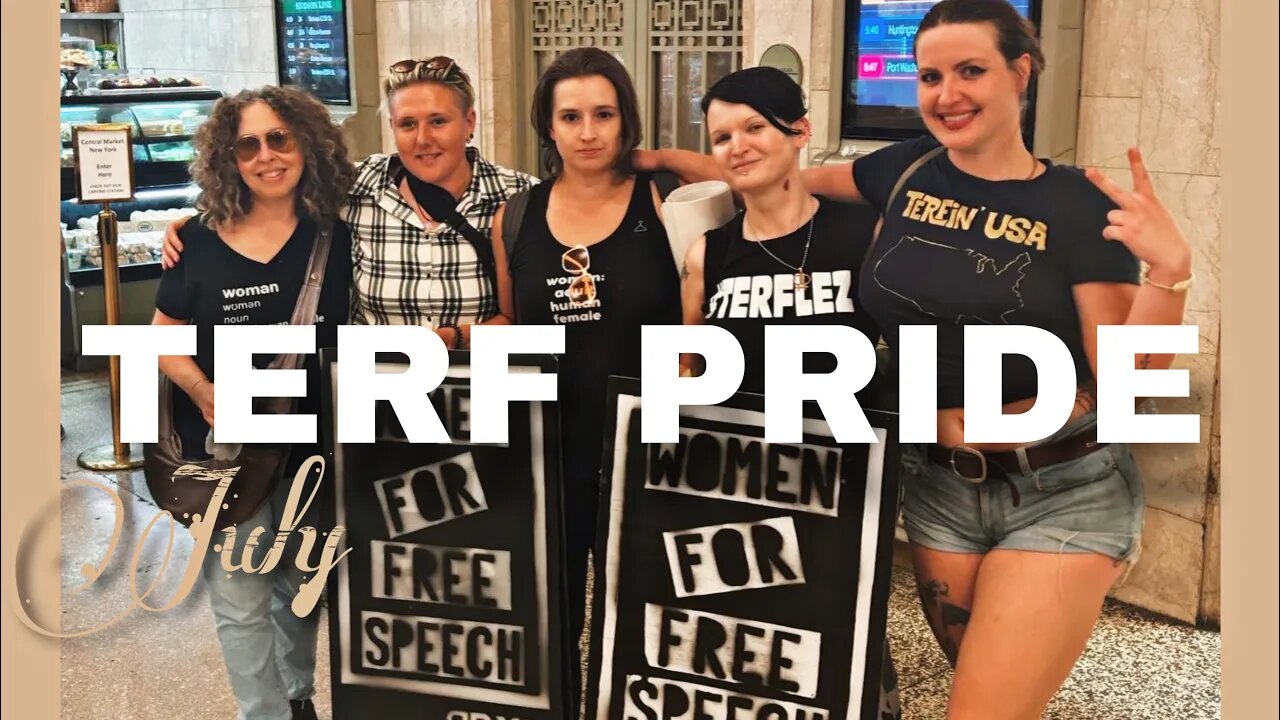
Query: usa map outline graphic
[{"x": 982, "y": 263}]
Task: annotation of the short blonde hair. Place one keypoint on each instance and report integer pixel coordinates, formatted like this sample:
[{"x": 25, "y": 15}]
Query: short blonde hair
[{"x": 440, "y": 70}]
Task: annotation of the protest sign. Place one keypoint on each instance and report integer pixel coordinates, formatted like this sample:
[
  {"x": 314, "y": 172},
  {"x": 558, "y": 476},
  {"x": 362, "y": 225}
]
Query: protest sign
[
  {"x": 737, "y": 578},
  {"x": 448, "y": 605}
]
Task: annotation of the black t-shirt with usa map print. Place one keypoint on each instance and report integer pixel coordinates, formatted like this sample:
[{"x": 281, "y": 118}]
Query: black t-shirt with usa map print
[
  {"x": 213, "y": 285},
  {"x": 957, "y": 250}
]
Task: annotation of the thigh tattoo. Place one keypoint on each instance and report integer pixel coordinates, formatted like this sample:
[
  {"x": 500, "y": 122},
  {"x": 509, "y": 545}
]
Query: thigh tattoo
[{"x": 943, "y": 616}]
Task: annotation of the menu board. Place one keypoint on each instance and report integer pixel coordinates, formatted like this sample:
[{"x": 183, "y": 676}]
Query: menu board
[{"x": 311, "y": 47}]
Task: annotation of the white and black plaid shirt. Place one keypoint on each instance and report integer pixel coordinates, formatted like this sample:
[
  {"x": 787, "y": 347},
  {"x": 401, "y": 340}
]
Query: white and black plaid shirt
[{"x": 405, "y": 274}]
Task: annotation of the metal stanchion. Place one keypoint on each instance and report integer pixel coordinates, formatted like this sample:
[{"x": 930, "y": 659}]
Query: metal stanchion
[{"x": 117, "y": 455}]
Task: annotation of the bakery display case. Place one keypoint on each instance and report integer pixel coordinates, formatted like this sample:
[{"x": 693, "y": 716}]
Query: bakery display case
[{"x": 163, "y": 122}]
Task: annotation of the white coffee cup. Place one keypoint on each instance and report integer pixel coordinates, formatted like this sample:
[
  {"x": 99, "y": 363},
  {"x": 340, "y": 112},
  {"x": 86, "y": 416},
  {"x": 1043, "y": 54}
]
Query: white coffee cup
[{"x": 691, "y": 210}]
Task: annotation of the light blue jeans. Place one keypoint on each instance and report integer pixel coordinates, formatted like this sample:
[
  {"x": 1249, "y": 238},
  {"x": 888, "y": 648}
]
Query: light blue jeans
[
  {"x": 270, "y": 652},
  {"x": 1092, "y": 504}
]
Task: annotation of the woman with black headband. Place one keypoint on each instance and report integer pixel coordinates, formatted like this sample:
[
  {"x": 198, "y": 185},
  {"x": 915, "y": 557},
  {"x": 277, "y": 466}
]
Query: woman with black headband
[{"x": 788, "y": 259}]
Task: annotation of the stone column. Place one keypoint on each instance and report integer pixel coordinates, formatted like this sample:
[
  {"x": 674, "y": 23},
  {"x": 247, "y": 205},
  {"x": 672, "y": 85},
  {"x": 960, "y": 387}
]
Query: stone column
[
  {"x": 1150, "y": 79},
  {"x": 426, "y": 28},
  {"x": 230, "y": 47},
  {"x": 363, "y": 129}
]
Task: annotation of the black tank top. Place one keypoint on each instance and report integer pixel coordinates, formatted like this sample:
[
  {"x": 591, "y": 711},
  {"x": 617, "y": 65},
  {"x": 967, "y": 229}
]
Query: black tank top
[
  {"x": 636, "y": 284},
  {"x": 746, "y": 288}
]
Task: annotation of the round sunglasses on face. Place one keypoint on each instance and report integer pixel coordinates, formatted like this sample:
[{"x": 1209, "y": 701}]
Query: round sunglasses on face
[
  {"x": 247, "y": 147},
  {"x": 577, "y": 261}
]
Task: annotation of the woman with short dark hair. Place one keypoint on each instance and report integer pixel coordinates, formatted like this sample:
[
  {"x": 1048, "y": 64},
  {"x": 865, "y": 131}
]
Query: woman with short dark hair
[
  {"x": 1015, "y": 544},
  {"x": 791, "y": 258}
]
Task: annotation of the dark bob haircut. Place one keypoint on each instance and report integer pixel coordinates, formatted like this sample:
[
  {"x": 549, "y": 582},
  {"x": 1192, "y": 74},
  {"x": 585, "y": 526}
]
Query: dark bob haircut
[{"x": 767, "y": 90}]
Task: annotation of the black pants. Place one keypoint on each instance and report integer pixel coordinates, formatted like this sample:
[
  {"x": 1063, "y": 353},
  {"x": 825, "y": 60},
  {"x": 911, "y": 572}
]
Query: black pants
[{"x": 581, "y": 504}]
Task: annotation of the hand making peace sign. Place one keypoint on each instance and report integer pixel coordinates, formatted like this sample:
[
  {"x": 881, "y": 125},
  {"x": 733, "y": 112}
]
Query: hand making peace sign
[{"x": 1143, "y": 223}]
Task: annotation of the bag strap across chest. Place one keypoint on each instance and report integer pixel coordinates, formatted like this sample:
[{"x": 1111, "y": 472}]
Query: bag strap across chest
[
  {"x": 897, "y": 188},
  {"x": 308, "y": 303}
]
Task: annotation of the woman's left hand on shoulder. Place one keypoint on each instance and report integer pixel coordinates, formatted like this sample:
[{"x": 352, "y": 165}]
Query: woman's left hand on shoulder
[{"x": 1142, "y": 222}]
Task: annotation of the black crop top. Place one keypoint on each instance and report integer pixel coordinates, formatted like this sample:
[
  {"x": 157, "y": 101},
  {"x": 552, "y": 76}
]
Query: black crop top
[{"x": 957, "y": 250}]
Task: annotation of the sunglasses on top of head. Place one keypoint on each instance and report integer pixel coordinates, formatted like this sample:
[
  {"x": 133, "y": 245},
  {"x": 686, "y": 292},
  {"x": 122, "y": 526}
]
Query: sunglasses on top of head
[{"x": 438, "y": 64}]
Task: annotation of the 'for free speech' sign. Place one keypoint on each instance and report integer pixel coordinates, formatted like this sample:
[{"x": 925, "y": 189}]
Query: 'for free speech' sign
[
  {"x": 448, "y": 605},
  {"x": 738, "y": 578}
]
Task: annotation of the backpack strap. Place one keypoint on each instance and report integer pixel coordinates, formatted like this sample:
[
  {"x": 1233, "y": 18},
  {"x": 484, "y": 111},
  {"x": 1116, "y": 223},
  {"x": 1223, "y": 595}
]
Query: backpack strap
[
  {"x": 478, "y": 241},
  {"x": 439, "y": 204},
  {"x": 512, "y": 217},
  {"x": 666, "y": 182},
  {"x": 304, "y": 310}
]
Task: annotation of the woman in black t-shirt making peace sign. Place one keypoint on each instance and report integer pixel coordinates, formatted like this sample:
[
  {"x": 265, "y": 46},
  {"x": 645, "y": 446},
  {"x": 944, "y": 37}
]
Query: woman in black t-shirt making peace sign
[{"x": 1015, "y": 544}]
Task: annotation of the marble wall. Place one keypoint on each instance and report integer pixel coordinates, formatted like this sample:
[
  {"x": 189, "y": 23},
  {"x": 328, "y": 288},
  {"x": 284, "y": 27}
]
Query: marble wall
[
  {"x": 1149, "y": 79},
  {"x": 426, "y": 28},
  {"x": 766, "y": 23},
  {"x": 814, "y": 29},
  {"x": 227, "y": 43}
]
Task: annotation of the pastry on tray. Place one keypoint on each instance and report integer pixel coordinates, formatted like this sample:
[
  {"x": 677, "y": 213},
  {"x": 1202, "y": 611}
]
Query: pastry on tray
[{"x": 76, "y": 58}]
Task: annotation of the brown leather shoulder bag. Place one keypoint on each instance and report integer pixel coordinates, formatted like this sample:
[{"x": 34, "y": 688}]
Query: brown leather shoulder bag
[{"x": 183, "y": 487}]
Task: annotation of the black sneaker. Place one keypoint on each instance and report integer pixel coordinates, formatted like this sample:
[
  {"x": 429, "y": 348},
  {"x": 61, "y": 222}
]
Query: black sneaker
[{"x": 303, "y": 709}]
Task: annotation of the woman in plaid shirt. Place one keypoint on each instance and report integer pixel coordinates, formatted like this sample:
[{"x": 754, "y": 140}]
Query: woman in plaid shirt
[
  {"x": 413, "y": 268},
  {"x": 413, "y": 263}
]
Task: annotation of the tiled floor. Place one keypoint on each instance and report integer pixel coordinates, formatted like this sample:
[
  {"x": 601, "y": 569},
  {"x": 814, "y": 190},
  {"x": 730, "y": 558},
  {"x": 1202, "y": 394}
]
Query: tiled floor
[{"x": 155, "y": 665}]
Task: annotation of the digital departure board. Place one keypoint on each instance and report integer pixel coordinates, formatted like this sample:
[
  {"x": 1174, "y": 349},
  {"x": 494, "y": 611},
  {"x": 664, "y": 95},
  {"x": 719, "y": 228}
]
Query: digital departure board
[{"x": 311, "y": 48}]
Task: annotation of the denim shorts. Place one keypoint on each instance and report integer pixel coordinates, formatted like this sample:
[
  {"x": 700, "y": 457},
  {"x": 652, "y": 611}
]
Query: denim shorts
[{"x": 1091, "y": 504}]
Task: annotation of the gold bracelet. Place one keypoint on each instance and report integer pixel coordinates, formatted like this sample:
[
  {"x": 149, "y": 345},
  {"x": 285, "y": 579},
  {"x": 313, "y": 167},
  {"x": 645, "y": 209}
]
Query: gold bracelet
[
  {"x": 195, "y": 385},
  {"x": 1180, "y": 286}
]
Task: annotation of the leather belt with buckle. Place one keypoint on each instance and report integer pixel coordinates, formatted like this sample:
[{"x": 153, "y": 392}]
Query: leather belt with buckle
[{"x": 975, "y": 465}]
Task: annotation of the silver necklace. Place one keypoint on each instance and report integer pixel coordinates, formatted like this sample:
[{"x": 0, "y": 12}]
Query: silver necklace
[{"x": 800, "y": 278}]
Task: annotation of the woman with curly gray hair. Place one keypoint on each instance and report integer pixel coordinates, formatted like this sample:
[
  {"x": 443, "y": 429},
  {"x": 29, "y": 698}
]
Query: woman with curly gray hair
[{"x": 273, "y": 171}]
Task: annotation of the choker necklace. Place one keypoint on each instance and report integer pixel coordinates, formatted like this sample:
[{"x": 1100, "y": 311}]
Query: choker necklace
[{"x": 799, "y": 278}]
